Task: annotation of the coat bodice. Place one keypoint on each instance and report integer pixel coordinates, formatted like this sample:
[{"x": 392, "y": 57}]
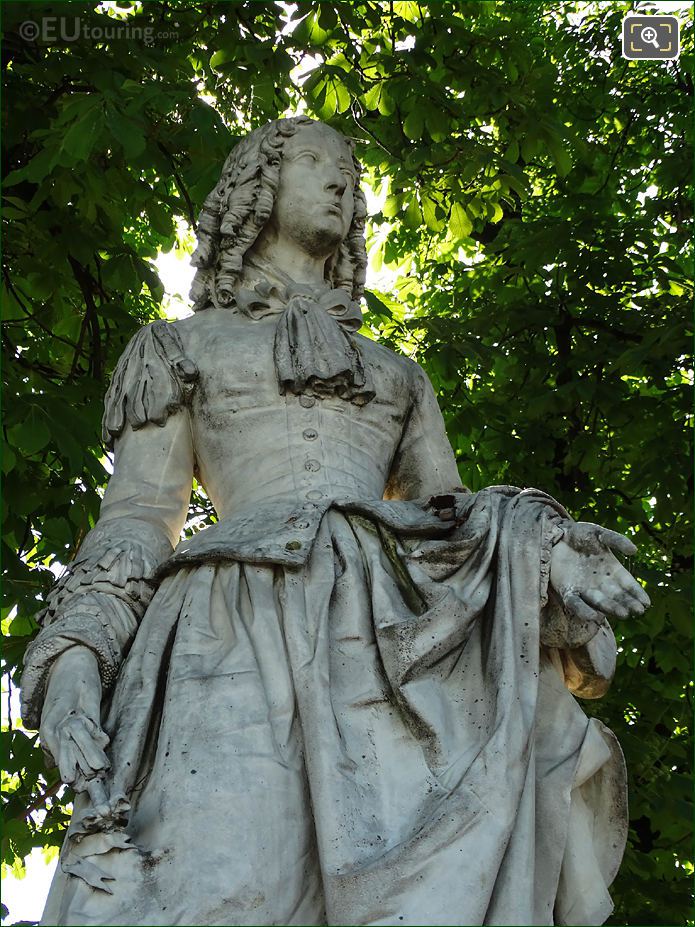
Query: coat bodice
[
  {"x": 201, "y": 396},
  {"x": 253, "y": 444}
]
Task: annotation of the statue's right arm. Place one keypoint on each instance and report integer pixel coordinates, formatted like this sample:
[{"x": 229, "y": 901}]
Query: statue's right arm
[{"x": 93, "y": 612}]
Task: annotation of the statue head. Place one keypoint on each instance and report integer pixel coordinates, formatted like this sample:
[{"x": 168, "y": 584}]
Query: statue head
[{"x": 266, "y": 181}]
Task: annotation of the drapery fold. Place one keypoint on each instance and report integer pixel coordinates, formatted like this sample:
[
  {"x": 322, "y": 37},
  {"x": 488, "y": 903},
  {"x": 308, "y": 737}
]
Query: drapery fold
[{"x": 439, "y": 770}]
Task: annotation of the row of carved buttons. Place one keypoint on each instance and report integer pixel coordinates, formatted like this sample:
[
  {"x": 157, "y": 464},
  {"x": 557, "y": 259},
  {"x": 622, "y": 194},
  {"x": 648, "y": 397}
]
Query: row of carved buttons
[{"x": 311, "y": 465}]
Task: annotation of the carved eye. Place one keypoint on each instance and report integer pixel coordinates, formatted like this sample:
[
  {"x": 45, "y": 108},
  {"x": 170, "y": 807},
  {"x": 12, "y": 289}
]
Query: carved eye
[{"x": 310, "y": 155}]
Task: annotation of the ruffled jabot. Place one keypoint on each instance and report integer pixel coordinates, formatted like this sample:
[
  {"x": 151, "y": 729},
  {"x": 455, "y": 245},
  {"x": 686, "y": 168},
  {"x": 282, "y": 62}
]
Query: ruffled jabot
[{"x": 314, "y": 350}]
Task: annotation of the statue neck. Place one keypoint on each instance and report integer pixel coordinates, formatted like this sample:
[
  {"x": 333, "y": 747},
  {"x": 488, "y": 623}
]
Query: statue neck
[{"x": 287, "y": 258}]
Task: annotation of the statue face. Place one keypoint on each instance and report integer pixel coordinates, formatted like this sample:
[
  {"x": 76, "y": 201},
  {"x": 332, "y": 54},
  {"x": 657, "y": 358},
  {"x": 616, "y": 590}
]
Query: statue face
[{"x": 314, "y": 202}]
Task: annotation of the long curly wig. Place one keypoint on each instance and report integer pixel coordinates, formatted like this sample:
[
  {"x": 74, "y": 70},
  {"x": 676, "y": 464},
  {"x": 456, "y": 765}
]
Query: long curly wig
[{"x": 236, "y": 211}]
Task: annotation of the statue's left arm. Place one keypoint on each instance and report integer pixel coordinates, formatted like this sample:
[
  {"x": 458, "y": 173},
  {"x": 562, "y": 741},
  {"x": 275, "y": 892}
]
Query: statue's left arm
[{"x": 579, "y": 572}]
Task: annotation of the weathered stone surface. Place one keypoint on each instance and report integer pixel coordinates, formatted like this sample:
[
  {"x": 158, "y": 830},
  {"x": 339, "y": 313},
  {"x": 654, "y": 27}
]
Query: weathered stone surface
[{"x": 347, "y": 702}]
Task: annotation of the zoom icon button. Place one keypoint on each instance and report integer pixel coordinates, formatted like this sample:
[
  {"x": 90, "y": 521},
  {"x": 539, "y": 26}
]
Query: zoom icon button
[{"x": 651, "y": 38}]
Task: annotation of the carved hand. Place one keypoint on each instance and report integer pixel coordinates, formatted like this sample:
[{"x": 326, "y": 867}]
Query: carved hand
[
  {"x": 589, "y": 579},
  {"x": 70, "y": 728}
]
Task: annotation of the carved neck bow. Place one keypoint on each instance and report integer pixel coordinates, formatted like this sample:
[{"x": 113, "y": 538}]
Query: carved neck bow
[{"x": 314, "y": 348}]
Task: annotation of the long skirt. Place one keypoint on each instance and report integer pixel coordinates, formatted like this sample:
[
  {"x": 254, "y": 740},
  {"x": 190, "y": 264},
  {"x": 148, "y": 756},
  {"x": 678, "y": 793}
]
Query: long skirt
[{"x": 362, "y": 741}]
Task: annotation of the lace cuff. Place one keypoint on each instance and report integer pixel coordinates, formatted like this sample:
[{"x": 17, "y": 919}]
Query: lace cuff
[
  {"x": 81, "y": 628},
  {"x": 97, "y": 603}
]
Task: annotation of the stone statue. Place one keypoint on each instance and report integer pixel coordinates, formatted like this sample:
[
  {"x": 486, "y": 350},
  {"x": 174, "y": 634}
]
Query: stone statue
[{"x": 348, "y": 700}]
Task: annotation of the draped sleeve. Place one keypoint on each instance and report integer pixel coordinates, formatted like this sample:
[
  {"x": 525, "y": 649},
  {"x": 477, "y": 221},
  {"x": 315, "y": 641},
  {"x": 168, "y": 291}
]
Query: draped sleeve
[
  {"x": 424, "y": 463},
  {"x": 101, "y": 596},
  {"x": 153, "y": 380},
  {"x": 584, "y": 653}
]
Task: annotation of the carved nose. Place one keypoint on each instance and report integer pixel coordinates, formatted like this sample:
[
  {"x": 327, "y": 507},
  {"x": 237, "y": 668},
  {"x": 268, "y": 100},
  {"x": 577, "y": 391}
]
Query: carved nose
[{"x": 337, "y": 185}]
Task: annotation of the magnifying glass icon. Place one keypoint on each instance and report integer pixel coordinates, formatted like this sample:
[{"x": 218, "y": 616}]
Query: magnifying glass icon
[{"x": 648, "y": 36}]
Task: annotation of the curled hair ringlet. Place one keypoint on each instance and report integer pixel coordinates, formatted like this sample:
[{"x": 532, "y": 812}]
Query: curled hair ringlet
[{"x": 237, "y": 209}]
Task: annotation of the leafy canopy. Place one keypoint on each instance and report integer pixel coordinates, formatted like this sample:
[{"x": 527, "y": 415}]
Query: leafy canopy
[{"x": 533, "y": 221}]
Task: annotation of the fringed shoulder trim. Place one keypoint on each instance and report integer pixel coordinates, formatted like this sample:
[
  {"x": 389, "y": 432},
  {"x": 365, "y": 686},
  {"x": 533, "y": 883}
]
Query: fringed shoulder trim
[{"x": 153, "y": 379}]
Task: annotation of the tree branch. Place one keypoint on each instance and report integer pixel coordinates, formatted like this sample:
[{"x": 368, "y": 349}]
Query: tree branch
[
  {"x": 85, "y": 283},
  {"x": 40, "y": 801},
  {"x": 180, "y": 186}
]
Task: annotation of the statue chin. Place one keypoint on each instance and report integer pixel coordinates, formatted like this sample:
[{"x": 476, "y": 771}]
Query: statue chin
[{"x": 319, "y": 237}]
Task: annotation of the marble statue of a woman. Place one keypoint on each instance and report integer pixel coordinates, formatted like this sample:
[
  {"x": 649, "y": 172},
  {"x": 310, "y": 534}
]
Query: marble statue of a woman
[{"x": 348, "y": 700}]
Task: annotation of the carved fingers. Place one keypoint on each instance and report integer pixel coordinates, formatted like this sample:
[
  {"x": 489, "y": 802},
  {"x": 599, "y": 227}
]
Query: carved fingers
[
  {"x": 617, "y": 542},
  {"x": 588, "y": 577},
  {"x": 79, "y": 750},
  {"x": 70, "y": 729},
  {"x": 588, "y": 538},
  {"x": 575, "y": 606},
  {"x": 614, "y": 594}
]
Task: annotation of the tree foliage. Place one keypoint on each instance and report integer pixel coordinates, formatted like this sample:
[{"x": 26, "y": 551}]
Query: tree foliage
[{"x": 534, "y": 216}]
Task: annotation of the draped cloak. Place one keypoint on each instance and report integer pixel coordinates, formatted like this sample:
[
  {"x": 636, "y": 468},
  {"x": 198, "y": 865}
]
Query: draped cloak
[{"x": 347, "y": 701}]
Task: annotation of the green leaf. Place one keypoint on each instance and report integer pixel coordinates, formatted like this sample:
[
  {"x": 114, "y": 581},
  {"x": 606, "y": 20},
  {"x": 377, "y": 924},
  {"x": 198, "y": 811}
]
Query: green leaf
[
  {"x": 414, "y": 123},
  {"x": 8, "y": 459},
  {"x": 408, "y": 10},
  {"x": 343, "y": 98},
  {"x": 327, "y": 106},
  {"x": 376, "y": 305},
  {"x": 392, "y": 205},
  {"x": 22, "y": 625},
  {"x": 431, "y": 214},
  {"x": 310, "y": 32},
  {"x": 372, "y": 96},
  {"x": 530, "y": 147},
  {"x": 129, "y": 134},
  {"x": 222, "y": 57},
  {"x": 437, "y": 124},
  {"x": 387, "y": 105},
  {"x": 497, "y": 213},
  {"x": 512, "y": 152},
  {"x": 459, "y": 222},
  {"x": 33, "y": 434},
  {"x": 561, "y": 157},
  {"x": 80, "y": 138},
  {"x": 413, "y": 216}
]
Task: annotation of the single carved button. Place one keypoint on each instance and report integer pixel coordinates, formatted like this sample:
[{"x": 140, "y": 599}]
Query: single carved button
[
  {"x": 314, "y": 494},
  {"x": 306, "y": 402},
  {"x": 309, "y": 434},
  {"x": 312, "y": 465},
  {"x": 293, "y": 545}
]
